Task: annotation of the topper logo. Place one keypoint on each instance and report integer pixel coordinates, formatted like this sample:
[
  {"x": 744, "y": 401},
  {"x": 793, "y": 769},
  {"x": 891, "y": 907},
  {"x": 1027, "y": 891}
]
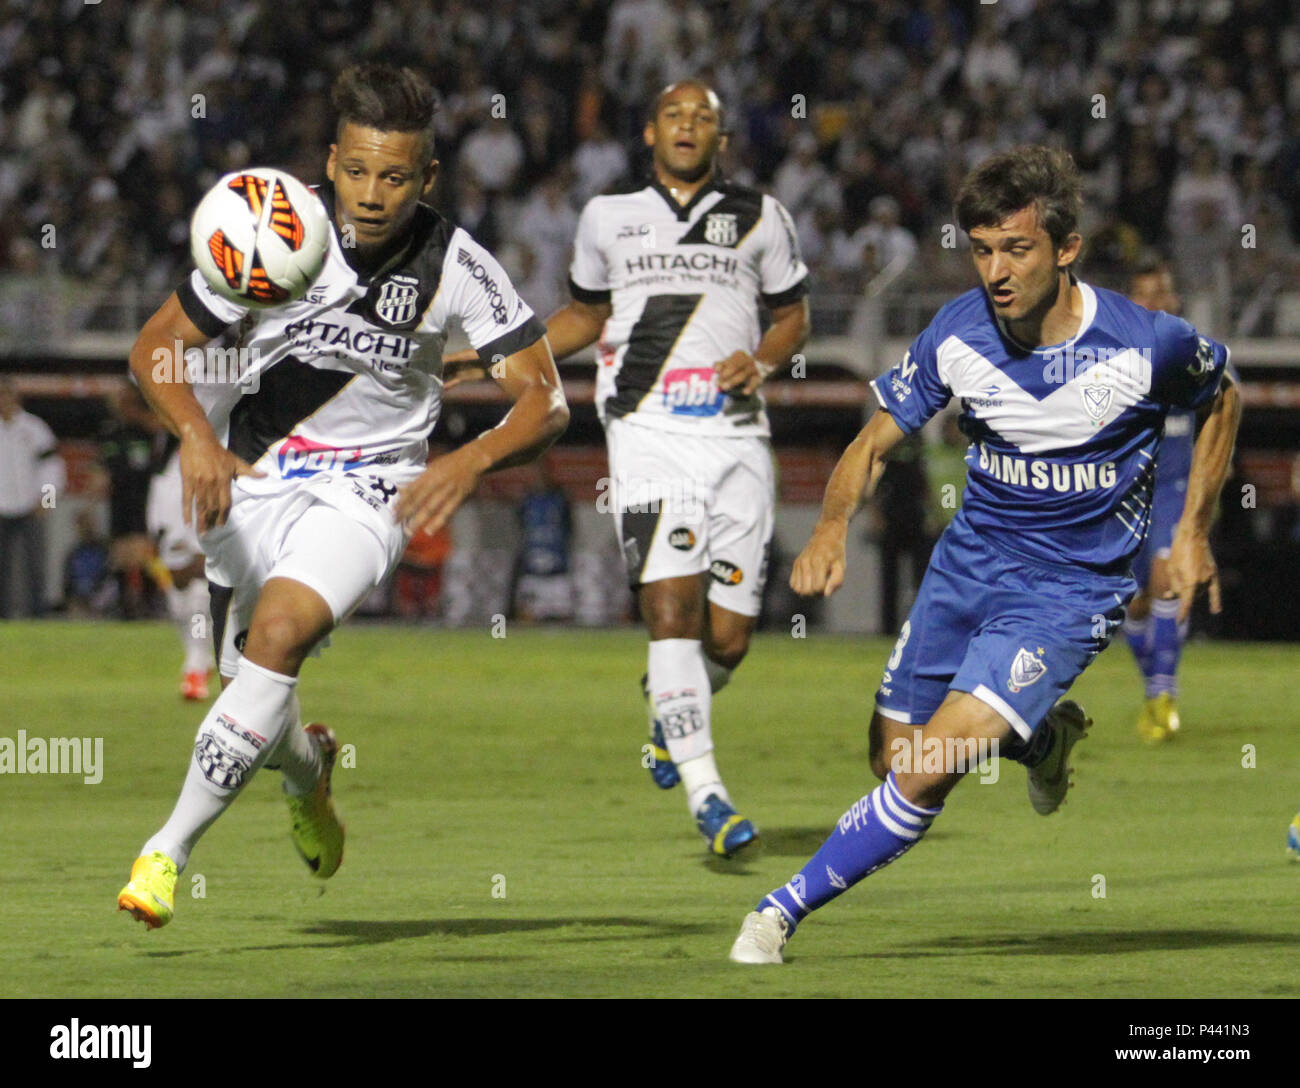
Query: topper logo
[
  {"x": 302, "y": 457},
  {"x": 692, "y": 391}
]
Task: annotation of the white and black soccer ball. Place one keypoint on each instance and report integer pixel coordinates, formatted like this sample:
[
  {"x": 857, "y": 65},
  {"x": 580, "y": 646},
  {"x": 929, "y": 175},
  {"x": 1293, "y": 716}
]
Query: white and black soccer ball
[{"x": 260, "y": 237}]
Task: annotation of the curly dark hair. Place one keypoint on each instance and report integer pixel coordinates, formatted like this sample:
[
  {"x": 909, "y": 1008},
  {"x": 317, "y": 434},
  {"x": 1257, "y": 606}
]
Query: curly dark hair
[
  {"x": 387, "y": 98},
  {"x": 1045, "y": 177}
]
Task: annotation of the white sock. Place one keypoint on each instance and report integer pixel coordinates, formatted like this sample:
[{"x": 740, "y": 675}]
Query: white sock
[
  {"x": 679, "y": 690},
  {"x": 241, "y": 729},
  {"x": 297, "y": 756},
  {"x": 700, "y": 778},
  {"x": 189, "y": 611},
  {"x": 719, "y": 675}
]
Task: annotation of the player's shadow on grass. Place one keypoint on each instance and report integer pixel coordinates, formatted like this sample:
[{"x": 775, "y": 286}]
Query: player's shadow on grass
[
  {"x": 355, "y": 932},
  {"x": 792, "y": 842},
  {"x": 1073, "y": 943}
]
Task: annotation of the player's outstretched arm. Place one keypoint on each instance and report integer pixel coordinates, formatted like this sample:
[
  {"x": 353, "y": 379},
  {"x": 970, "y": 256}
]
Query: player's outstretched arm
[
  {"x": 744, "y": 373},
  {"x": 157, "y": 362},
  {"x": 820, "y": 566},
  {"x": 571, "y": 328},
  {"x": 1191, "y": 563},
  {"x": 537, "y": 418}
]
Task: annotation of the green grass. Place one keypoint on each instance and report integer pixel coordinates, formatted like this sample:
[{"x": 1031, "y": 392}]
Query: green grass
[{"x": 478, "y": 757}]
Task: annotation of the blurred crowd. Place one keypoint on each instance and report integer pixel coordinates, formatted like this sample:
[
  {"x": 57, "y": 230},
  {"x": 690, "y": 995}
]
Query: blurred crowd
[{"x": 860, "y": 116}]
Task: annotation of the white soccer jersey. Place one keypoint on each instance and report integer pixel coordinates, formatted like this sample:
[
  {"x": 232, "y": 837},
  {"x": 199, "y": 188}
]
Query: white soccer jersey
[
  {"x": 351, "y": 375},
  {"x": 685, "y": 283}
]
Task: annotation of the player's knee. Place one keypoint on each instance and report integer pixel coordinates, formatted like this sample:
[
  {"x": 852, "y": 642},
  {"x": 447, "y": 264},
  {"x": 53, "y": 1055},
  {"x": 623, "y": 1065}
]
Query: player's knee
[
  {"x": 728, "y": 649},
  {"x": 280, "y": 638},
  {"x": 671, "y": 616}
]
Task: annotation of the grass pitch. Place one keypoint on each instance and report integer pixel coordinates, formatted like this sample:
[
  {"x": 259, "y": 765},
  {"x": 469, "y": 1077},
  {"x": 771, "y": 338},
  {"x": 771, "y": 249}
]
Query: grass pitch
[{"x": 505, "y": 841}]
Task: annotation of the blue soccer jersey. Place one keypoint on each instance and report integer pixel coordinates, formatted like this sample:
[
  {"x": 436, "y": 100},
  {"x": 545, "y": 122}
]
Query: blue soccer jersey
[{"x": 1064, "y": 438}]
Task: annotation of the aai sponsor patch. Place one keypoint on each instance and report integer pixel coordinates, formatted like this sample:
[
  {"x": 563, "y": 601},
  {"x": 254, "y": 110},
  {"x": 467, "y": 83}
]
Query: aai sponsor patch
[
  {"x": 727, "y": 574},
  {"x": 682, "y": 538}
]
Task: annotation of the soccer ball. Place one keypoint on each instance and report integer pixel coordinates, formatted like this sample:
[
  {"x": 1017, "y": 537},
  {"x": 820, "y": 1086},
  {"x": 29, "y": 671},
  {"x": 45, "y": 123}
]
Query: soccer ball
[{"x": 260, "y": 237}]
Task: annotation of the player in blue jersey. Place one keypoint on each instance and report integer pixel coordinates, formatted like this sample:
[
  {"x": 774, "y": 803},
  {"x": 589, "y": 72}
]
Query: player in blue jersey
[
  {"x": 1152, "y": 626},
  {"x": 1064, "y": 391}
]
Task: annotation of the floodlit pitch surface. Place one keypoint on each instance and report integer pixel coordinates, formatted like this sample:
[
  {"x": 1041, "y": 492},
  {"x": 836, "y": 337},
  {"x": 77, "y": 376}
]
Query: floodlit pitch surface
[{"x": 504, "y": 839}]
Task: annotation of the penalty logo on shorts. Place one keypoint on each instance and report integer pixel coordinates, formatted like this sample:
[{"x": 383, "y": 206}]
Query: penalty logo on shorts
[{"x": 1026, "y": 669}]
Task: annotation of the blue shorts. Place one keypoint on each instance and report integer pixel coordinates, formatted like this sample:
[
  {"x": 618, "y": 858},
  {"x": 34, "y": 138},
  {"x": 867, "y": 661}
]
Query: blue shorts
[
  {"x": 1167, "y": 501},
  {"x": 1009, "y": 631}
]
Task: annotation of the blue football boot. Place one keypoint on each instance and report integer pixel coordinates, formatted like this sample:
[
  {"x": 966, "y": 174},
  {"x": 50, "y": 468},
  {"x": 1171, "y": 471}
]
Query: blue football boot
[
  {"x": 724, "y": 829},
  {"x": 661, "y": 766}
]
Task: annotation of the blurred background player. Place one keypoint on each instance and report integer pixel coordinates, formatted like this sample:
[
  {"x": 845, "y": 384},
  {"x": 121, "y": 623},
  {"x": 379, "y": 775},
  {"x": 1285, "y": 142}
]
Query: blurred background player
[
  {"x": 1152, "y": 628},
  {"x": 182, "y": 576},
  {"x": 29, "y": 464},
  {"x": 132, "y": 445},
  {"x": 306, "y": 480},
  {"x": 543, "y": 589},
  {"x": 669, "y": 278}
]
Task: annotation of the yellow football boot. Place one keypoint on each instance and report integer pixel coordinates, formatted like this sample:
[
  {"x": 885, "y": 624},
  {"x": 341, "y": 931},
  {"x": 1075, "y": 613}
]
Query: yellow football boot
[
  {"x": 1159, "y": 721},
  {"x": 317, "y": 830},
  {"x": 150, "y": 892}
]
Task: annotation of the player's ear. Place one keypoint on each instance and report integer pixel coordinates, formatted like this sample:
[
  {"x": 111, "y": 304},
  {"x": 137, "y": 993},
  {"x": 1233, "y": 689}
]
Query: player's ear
[
  {"x": 722, "y": 142},
  {"x": 430, "y": 176},
  {"x": 331, "y": 162},
  {"x": 1069, "y": 252},
  {"x": 649, "y": 134}
]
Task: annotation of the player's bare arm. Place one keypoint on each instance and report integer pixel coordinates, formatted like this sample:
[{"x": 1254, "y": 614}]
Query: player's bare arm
[
  {"x": 537, "y": 418},
  {"x": 569, "y": 329},
  {"x": 820, "y": 566},
  {"x": 575, "y": 326},
  {"x": 746, "y": 372},
  {"x": 207, "y": 467},
  {"x": 1191, "y": 563},
  {"x": 462, "y": 366}
]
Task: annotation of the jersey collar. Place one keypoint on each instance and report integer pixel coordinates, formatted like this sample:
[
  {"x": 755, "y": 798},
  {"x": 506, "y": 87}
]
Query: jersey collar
[
  {"x": 1085, "y": 322},
  {"x": 683, "y": 211}
]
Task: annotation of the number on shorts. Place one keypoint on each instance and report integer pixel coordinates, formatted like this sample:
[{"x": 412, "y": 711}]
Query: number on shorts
[{"x": 903, "y": 636}]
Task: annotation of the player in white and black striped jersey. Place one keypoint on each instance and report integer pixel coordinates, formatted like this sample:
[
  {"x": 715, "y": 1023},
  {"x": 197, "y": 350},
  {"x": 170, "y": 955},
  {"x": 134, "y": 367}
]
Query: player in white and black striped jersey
[
  {"x": 671, "y": 279},
  {"x": 308, "y": 473}
]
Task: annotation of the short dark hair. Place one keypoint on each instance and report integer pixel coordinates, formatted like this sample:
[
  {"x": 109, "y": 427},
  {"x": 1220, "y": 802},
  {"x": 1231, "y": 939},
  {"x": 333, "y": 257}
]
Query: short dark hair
[
  {"x": 1148, "y": 264},
  {"x": 1045, "y": 177},
  {"x": 387, "y": 98},
  {"x": 690, "y": 82}
]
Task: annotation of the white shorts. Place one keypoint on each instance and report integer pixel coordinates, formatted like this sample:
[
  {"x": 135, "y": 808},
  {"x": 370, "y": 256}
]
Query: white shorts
[
  {"x": 685, "y": 505},
  {"x": 178, "y": 543},
  {"x": 334, "y": 534}
]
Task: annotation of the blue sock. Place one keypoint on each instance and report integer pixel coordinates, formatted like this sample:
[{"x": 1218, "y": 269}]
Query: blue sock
[
  {"x": 1167, "y": 636},
  {"x": 876, "y": 830},
  {"x": 1138, "y": 633}
]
